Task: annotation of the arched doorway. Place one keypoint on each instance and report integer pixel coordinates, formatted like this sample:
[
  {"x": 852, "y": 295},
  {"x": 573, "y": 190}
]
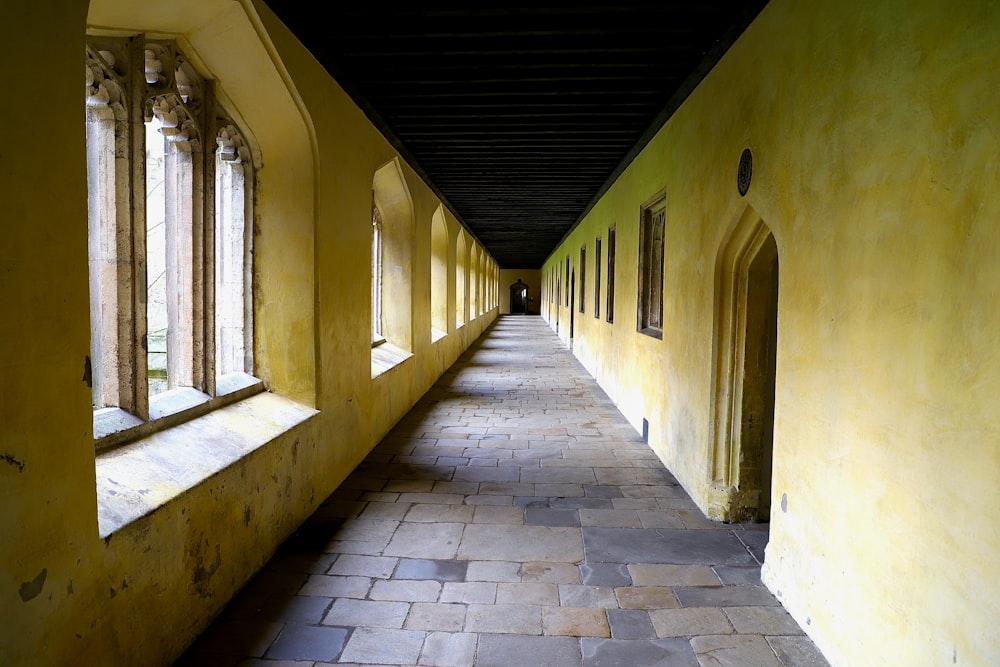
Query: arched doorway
[
  {"x": 518, "y": 298},
  {"x": 745, "y": 371}
]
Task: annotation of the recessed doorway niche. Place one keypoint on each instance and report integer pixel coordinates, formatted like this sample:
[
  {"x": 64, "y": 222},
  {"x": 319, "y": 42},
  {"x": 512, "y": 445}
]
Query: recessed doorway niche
[{"x": 745, "y": 355}]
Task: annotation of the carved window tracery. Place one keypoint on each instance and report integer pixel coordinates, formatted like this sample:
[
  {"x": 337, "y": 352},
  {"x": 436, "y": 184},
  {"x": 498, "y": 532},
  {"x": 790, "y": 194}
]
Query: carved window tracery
[{"x": 169, "y": 235}]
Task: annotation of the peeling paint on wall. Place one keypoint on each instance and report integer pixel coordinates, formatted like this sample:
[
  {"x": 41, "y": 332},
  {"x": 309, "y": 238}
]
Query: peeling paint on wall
[
  {"x": 10, "y": 460},
  {"x": 29, "y": 590}
]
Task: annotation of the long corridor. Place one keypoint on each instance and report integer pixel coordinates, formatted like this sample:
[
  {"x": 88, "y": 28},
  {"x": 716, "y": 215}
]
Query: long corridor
[{"x": 513, "y": 517}]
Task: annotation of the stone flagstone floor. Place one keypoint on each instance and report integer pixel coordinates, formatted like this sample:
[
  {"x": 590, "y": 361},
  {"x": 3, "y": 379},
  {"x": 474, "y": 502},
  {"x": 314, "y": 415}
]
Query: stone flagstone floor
[{"x": 513, "y": 517}]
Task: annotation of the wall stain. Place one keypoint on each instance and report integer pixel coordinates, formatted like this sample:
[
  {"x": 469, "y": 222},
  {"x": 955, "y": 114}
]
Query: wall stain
[
  {"x": 247, "y": 515},
  {"x": 88, "y": 372},
  {"x": 201, "y": 574},
  {"x": 29, "y": 590},
  {"x": 69, "y": 588},
  {"x": 11, "y": 461}
]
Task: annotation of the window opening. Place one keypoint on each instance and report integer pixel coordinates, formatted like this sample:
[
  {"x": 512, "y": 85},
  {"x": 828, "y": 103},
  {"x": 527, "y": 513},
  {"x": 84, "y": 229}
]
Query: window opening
[
  {"x": 169, "y": 236},
  {"x": 597, "y": 277},
  {"x": 610, "y": 310},
  {"x": 650, "y": 302},
  {"x": 376, "y": 273}
]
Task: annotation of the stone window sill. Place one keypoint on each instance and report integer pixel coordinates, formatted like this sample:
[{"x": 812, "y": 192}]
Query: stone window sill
[
  {"x": 437, "y": 334},
  {"x": 114, "y": 426},
  {"x": 135, "y": 479},
  {"x": 386, "y": 357}
]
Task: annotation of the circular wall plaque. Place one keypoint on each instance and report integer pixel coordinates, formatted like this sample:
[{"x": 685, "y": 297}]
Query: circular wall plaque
[{"x": 745, "y": 172}]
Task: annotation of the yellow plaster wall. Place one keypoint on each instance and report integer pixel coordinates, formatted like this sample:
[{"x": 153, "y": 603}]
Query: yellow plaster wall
[
  {"x": 875, "y": 134},
  {"x": 64, "y": 591}
]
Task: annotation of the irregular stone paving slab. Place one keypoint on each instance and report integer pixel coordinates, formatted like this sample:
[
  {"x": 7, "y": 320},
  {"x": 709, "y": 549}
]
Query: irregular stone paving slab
[
  {"x": 425, "y": 540},
  {"x": 605, "y": 574},
  {"x": 617, "y": 653},
  {"x": 518, "y": 619},
  {"x": 762, "y": 621},
  {"x": 734, "y": 651},
  {"x": 644, "y": 574},
  {"x": 663, "y": 545},
  {"x": 375, "y": 646},
  {"x": 689, "y": 622},
  {"x": 335, "y": 586},
  {"x": 439, "y": 570},
  {"x": 797, "y": 652},
  {"x": 355, "y": 613},
  {"x": 726, "y": 596},
  {"x": 441, "y": 617},
  {"x": 575, "y": 622},
  {"x": 630, "y": 624},
  {"x": 509, "y": 650},
  {"x": 521, "y": 543},
  {"x": 307, "y": 642},
  {"x": 449, "y": 649}
]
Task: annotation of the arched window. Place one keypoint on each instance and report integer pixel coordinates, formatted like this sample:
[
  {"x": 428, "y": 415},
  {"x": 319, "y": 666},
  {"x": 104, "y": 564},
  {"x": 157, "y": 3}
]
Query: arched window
[
  {"x": 376, "y": 274},
  {"x": 439, "y": 274},
  {"x": 170, "y": 269},
  {"x": 461, "y": 258},
  {"x": 392, "y": 253}
]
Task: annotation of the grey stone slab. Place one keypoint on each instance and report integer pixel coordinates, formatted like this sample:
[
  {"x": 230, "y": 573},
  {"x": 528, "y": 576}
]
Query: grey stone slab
[
  {"x": 438, "y": 570},
  {"x": 663, "y": 545},
  {"x": 329, "y": 586},
  {"x": 630, "y": 624},
  {"x": 725, "y": 596},
  {"x": 543, "y": 516},
  {"x": 480, "y": 474},
  {"x": 577, "y": 503},
  {"x": 762, "y": 621},
  {"x": 520, "y": 619},
  {"x": 605, "y": 574},
  {"x": 376, "y": 646},
  {"x": 797, "y": 652},
  {"x": 574, "y": 595},
  {"x": 662, "y": 574},
  {"x": 377, "y": 510},
  {"x": 434, "y": 513},
  {"x": 738, "y": 575},
  {"x": 449, "y": 649},
  {"x": 307, "y": 642},
  {"x": 358, "y": 613},
  {"x": 755, "y": 537},
  {"x": 493, "y": 570},
  {"x": 438, "y": 617},
  {"x": 689, "y": 622},
  {"x": 508, "y": 650},
  {"x": 425, "y": 540},
  {"x": 406, "y": 590},
  {"x": 297, "y": 608},
  {"x": 734, "y": 651},
  {"x": 364, "y": 566},
  {"x": 472, "y": 592},
  {"x": 625, "y": 653},
  {"x": 531, "y": 501},
  {"x": 521, "y": 543},
  {"x": 559, "y": 475}
]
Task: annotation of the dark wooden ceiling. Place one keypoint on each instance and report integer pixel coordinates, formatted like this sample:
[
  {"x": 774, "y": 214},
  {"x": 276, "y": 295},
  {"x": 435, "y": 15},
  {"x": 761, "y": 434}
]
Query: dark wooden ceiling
[{"x": 519, "y": 115}]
